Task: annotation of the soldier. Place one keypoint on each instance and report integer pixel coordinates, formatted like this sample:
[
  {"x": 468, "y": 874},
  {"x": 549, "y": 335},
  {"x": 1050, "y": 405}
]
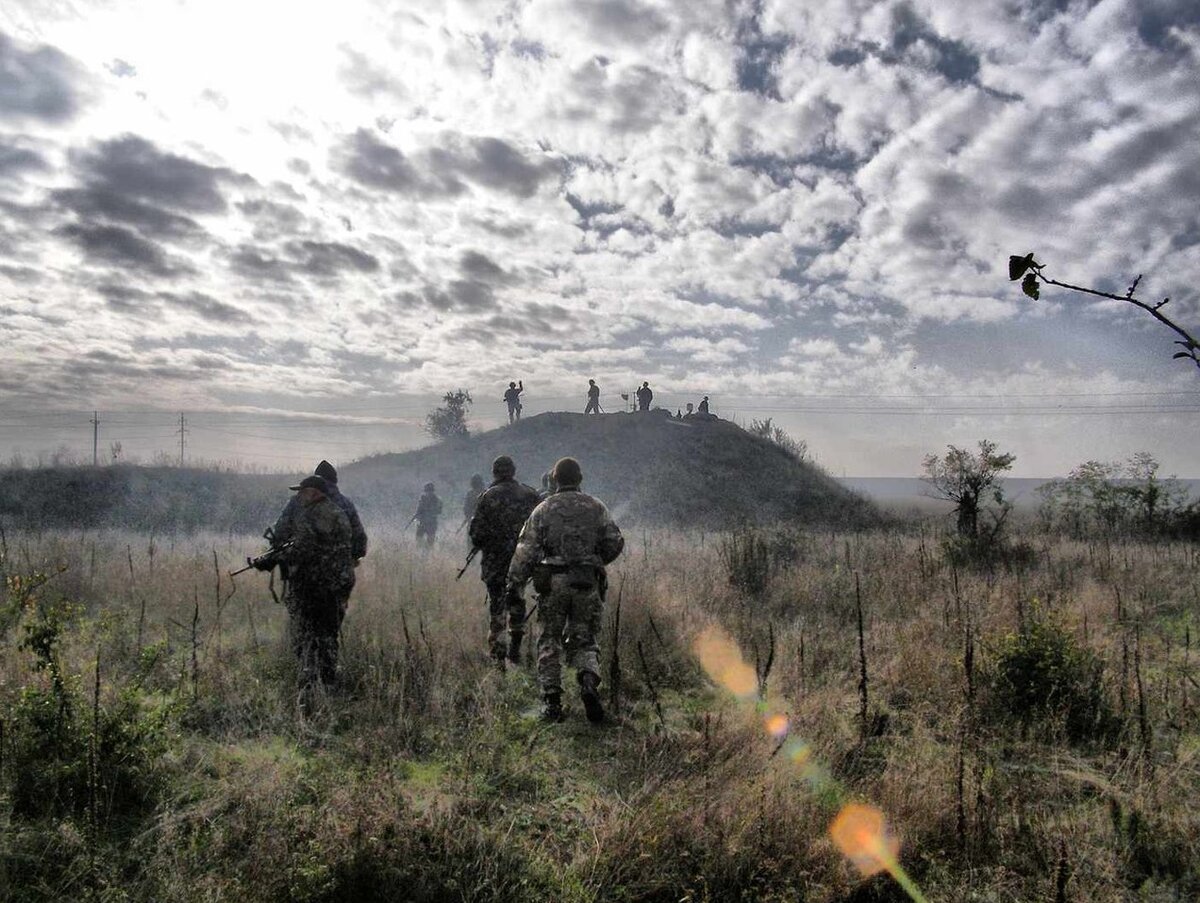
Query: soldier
[
  {"x": 327, "y": 472},
  {"x": 512, "y": 396},
  {"x": 549, "y": 487},
  {"x": 470, "y": 500},
  {"x": 644, "y": 396},
  {"x": 318, "y": 575},
  {"x": 593, "y": 395},
  {"x": 704, "y": 405},
  {"x": 428, "y": 509},
  {"x": 502, "y": 511},
  {"x": 565, "y": 546}
]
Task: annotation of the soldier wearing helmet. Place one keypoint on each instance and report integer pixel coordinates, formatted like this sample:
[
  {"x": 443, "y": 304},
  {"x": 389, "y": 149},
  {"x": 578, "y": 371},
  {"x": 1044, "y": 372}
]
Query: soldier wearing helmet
[
  {"x": 564, "y": 547},
  {"x": 502, "y": 510},
  {"x": 318, "y": 572},
  {"x": 429, "y": 508},
  {"x": 512, "y": 397}
]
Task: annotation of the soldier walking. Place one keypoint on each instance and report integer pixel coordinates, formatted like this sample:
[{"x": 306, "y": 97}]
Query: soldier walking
[
  {"x": 502, "y": 511},
  {"x": 327, "y": 472},
  {"x": 593, "y": 398},
  {"x": 644, "y": 396},
  {"x": 318, "y": 572},
  {"x": 512, "y": 397},
  {"x": 470, "y": 500},
  {"x": 429, "y": 508},
  {"x": 565, "y": 546}
]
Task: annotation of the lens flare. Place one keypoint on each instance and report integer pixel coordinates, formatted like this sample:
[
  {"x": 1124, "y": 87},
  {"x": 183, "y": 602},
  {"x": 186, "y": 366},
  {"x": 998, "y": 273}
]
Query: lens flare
[
  {"x": 777, "y": 726},
  {"x": 860, "y": 832},
  {"x": 719, "y": 656}
]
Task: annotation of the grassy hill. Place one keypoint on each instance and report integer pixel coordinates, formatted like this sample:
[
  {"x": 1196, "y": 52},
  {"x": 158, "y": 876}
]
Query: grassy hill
[{"x": 648, "y": 468}]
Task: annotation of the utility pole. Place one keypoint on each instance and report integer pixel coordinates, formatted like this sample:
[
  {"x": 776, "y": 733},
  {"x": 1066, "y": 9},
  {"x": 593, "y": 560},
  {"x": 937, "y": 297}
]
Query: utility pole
[
  {"x": 183, "y": 431},
  {"x": 95, "y": 421}
]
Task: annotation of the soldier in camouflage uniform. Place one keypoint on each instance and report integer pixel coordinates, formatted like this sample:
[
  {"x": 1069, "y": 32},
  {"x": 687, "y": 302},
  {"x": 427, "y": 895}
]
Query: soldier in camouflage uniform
[
  {"x": 565, "y": 546},
  {"x": 502, "y": 511},
  {"x": 471, "y": 499},
  {"x": 429, "y": 508},
  {"x": 318, "y": 575},
  {"x": 327, "y": 472}
]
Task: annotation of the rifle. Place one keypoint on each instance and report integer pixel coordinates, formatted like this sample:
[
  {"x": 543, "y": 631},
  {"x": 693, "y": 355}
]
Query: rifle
[
  {"x": 466, "y": 564},
  {"x": 268, "y": 560}
]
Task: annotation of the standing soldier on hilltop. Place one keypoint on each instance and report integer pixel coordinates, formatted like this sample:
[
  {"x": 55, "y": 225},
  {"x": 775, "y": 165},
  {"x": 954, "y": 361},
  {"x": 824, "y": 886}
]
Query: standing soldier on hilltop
[
  {"x": 565, "y": 546},
  {"x": 318, "y": 571},
  {"x": 512, "y": 397},
  {"x": 593, "y": 396},
  {"x": 502, "y": 511},
  {"x": 429, "y": 508},
  {"x": 644, "y": 396}
]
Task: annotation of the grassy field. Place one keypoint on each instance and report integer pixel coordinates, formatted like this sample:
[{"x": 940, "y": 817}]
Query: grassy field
[{"x": 1029, "y": 733}]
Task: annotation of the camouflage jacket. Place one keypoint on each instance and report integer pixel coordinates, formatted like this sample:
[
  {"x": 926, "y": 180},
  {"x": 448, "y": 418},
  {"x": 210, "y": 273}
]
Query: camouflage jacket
[
  {"x": 321, "y": 558},
  {"x": 358, "y": 541},
  {"x": 428, "y": 508},
  {"x": 502, "y": 511},
  {"x": 569, "y": 528}
]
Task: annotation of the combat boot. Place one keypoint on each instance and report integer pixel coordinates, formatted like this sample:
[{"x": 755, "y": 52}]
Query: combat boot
[
  {"x": 514, "y": 648},
  {"x": 589, "y": 692},
  {"x": 552, "y": 710}
]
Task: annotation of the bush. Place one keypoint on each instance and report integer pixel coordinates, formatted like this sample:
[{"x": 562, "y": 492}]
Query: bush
[
  {"x": 1042, "y": 675},
  {"x": 747, "y": 559}
]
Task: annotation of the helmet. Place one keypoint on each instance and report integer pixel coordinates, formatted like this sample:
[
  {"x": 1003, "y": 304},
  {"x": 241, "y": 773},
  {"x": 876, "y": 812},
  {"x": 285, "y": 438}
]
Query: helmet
[
  {"x": 567, "y": 472},
  {"x": 503, "y": 466},
  {"x": 326, "y": 470},
  {"x": 429, "y": 487},
  {"x": 591, "y": 382},
  {"x": 477, "y": 481},
  {"x": 512, "y": 385}
]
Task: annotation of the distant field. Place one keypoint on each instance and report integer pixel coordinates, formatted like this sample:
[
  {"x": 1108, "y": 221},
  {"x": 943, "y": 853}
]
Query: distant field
[{"x": 894, "y": 491}]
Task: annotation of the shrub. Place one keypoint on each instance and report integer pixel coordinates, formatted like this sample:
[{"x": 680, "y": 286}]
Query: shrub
[
  {"x": 747, "y": 559},
  {"x": 1042, "y": 675}
]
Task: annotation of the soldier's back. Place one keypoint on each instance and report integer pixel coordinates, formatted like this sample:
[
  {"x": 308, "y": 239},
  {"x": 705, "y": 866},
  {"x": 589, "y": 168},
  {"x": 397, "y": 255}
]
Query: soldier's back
[{"x": 577, "y": 529}]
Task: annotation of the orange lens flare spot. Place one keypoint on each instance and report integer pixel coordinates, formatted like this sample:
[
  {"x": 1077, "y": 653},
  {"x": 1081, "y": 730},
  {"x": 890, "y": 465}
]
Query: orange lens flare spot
[
  {"x": 860, "y": 832},
  {"x": 777, "y": 726},
  {"x": 720, "y": 658}
]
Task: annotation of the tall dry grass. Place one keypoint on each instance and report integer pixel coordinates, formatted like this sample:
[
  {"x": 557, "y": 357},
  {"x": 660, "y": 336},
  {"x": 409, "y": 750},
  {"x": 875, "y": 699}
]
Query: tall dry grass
[{"x": 426, "y": 776}]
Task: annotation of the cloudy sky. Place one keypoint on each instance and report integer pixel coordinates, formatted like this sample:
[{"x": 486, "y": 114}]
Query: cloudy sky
[{"x": 300, "y": 227}]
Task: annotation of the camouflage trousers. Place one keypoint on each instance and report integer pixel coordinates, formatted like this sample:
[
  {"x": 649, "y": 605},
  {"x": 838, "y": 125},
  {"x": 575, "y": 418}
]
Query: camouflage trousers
[
  {"x": 315, "y": 620},
  {"x": 506, "y": 613},
  {"x": 571, "y": 621}
]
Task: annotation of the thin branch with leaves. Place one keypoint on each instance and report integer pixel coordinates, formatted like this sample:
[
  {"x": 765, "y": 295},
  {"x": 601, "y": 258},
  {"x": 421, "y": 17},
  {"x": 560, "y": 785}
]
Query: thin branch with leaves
[{"x": 1032, "y": 275}]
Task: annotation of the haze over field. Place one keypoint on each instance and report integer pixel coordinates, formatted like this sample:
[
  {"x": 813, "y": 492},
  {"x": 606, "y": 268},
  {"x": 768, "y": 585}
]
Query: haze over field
[{"x": 301, "y": 227}]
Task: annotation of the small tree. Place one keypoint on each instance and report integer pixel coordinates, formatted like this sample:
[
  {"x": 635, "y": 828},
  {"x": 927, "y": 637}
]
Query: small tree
[
  {"x": 451, "y": 418},
  {"x": 968, "y": 480},
  {"x": 765, "y": 429}
]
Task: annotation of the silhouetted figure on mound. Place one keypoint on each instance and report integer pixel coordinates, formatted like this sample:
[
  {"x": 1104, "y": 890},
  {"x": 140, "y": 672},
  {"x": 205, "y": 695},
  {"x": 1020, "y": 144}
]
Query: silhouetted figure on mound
[
  {"x": 512, "y": 397},
  {"x": 593, "y": 396},
  {"x": 429, "y": 508},
  {"x": 704, "y": 405},
  {"x": 565, "y": 546},
  {"x": 645, "y": 395},
  {"x": 502, "y": 511},
  {"x": 318, "y": 574}
]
